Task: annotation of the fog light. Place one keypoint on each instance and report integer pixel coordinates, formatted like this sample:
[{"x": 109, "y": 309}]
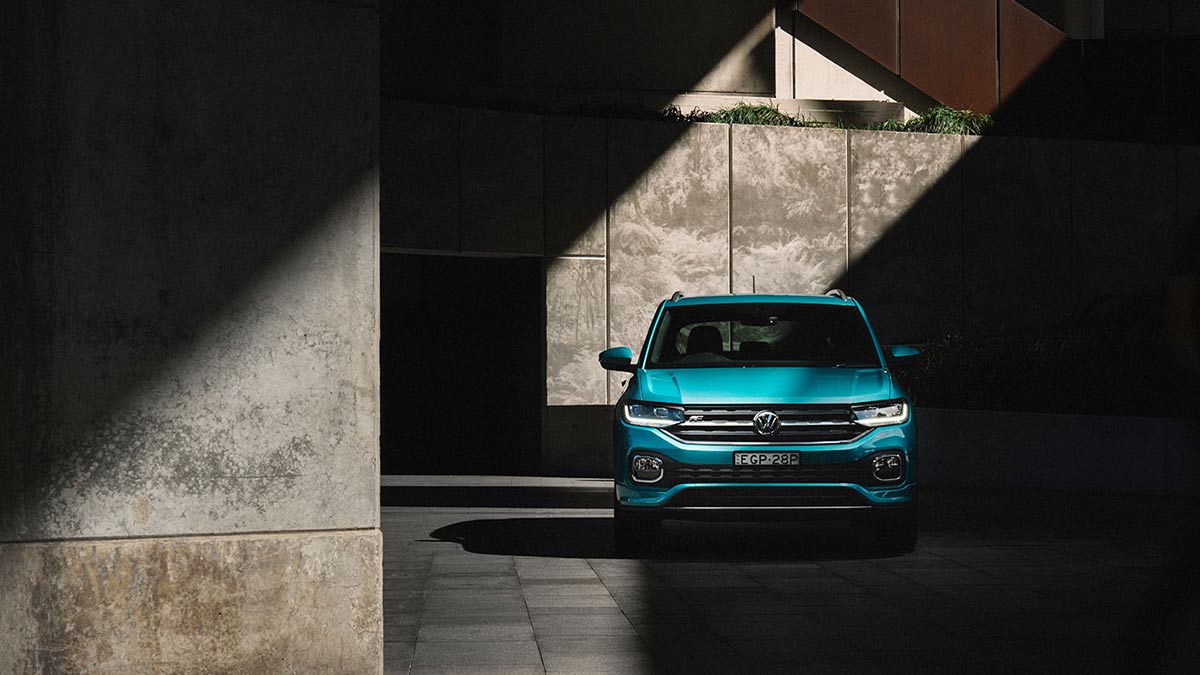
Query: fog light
[
  {"x": 647, "y": 469},
  {"x": 888, "y": 467}
]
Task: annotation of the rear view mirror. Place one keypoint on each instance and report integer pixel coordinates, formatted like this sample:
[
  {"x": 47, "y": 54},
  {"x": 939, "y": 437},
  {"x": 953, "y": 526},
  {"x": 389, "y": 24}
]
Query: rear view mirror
[
  {"x": 618, "y": 358},
  {"x": 759, "y": 320},
  {"x": 902, "y": 354}
]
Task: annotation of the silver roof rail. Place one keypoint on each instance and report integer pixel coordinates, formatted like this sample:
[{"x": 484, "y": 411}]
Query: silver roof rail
[
  {"x": 676, "y": 296},
  {"x": 838, "y": 293}
]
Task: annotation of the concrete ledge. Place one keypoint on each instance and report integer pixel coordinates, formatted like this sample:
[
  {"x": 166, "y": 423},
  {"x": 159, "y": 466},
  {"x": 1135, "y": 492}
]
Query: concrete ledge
[
  {"x": 302, "y": 602},
  {"x": 552, "y": 101},
  {"x": 981, "y": 448}
]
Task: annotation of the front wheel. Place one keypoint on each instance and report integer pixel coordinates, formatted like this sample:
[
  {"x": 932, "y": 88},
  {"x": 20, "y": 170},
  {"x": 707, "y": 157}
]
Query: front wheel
[{"x": 633, "y": 533}]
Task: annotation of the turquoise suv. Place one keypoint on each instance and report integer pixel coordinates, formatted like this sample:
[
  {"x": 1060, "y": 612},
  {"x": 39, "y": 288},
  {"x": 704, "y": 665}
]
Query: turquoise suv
[{"x": 748, "y": 407}]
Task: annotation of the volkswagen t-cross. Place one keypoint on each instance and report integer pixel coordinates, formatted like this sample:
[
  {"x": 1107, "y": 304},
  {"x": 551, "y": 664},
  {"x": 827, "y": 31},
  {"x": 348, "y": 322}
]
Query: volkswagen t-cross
[{"x": 748, "y": 406}]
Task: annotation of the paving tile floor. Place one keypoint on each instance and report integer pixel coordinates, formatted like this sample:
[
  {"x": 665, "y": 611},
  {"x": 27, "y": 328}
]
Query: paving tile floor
[{"x": 1058, "y": 584}]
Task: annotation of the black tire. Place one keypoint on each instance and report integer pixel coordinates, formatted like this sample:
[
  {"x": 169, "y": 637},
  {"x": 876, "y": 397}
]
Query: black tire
[
  {"x": 634, "y": 533},
  {"x": 894, "y": 531}
]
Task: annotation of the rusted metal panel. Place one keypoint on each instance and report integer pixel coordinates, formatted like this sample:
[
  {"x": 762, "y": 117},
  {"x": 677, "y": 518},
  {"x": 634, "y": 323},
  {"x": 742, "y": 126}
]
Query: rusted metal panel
[
  {"x": 870, "y": 26},
  {"x": 948, "y": 50},
  {"x": 1026, "y": 41}
]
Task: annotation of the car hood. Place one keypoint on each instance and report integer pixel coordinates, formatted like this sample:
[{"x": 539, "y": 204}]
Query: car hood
[{"x": 696, "y": 386}]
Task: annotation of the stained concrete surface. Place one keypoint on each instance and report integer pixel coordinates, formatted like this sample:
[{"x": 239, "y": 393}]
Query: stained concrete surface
[
  {"x": 306, "y": 602},
  {"x": 905, "y": 234},
  {"x": 1001, "y": 582},
  {"x": 199, "y": 349},
  {"x": 669, "y": 221},
  {"x": 576, "y": 331},
  {"x": 789, "y": 210}
]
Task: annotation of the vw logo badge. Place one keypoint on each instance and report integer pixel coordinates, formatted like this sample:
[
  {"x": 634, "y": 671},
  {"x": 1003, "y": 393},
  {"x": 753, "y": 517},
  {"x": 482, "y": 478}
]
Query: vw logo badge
[{"x": 766, "y": 423}]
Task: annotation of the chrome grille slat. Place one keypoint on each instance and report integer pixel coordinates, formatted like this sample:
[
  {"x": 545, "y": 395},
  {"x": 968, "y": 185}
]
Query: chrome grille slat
[{"x": 798, "y": 425}]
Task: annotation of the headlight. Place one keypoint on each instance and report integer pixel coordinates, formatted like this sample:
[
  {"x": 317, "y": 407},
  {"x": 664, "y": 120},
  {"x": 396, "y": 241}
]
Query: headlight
[
  {"x": 643, "y": 415},
  {"x": 881, "y": 414}
]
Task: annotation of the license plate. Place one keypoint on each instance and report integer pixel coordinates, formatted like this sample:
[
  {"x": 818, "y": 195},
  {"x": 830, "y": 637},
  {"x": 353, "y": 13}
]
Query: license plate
[{"x": 766, "y": 458}]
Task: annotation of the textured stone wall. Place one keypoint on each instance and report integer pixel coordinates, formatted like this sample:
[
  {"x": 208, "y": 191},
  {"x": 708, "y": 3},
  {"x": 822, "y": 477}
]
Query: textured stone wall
[
  {"x": 668, "y": 227},
  {"x": 789, "y": 209},
  {"x": 905, "y": 231},
  {"x": 933, "y": 233},
  {"x": 190, "y": 335},
  {"x": 576, "y": 330}
]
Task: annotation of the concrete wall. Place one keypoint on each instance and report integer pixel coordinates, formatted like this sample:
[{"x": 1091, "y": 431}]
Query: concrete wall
[
  {"x": 934, "y": 233},
  {"x": 188, "y": 420}
]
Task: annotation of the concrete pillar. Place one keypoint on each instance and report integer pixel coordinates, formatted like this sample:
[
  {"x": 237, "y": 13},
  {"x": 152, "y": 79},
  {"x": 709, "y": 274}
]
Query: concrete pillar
[
  {"x": 785, "y": 49},
  {"x": 188, "y": 337}
]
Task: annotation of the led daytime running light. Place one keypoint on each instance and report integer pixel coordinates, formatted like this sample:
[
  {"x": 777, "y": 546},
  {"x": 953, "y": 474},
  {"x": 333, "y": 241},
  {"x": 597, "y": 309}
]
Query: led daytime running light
[
  {"x": 648, "y": 415},
  {"x": 881, "y": 414}
]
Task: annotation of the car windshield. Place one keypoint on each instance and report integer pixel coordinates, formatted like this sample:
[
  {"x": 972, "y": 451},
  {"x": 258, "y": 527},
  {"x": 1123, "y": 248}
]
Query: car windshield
[{"x": 762, "y": 334}]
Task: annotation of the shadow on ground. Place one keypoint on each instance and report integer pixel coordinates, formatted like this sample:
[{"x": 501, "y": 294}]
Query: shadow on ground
[
  {"x": 591, "y": 537},
  {"x": 1002, "y": 515},
  {"x": 491, "y": 496}
]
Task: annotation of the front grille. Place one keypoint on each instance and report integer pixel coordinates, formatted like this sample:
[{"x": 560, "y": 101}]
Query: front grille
[
  {"x": 798, "y": 425},
  {"x": 752, "y": 497}
]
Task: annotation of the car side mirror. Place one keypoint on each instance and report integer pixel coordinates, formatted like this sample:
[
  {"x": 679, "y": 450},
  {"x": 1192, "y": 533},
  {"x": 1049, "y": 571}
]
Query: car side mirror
[
  {"x": 618, "y": 358},
  {"x": 903, "y": 354}
]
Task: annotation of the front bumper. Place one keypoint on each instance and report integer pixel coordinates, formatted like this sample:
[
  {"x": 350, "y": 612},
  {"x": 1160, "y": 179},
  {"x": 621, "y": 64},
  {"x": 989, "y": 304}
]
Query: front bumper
[{"x": 829, "y": 479}]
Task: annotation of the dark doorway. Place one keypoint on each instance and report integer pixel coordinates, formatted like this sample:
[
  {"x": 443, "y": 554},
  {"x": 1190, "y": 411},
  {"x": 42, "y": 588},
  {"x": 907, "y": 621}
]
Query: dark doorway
[{"x": 460, "y": 360}]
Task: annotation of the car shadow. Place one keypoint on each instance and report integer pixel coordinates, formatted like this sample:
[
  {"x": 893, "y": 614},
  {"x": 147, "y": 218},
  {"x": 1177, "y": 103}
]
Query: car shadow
[{"x": 591, "y": 537}]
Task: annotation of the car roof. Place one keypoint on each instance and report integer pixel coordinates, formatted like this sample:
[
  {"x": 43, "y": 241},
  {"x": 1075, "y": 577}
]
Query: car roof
[{"x": 748, "y": 298}]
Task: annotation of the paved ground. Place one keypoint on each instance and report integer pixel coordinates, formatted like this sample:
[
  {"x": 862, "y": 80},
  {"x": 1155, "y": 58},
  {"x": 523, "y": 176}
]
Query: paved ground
[{"x": 1024, "y": 582}]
